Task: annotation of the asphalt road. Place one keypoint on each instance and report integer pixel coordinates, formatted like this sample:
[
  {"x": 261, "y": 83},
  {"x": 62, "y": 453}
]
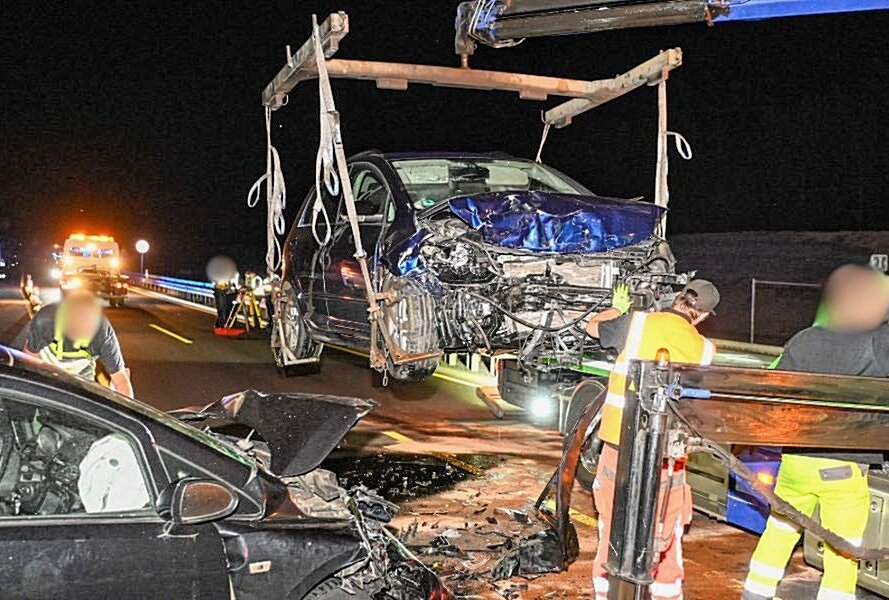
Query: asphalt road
[{"x": 433, "y": 447}]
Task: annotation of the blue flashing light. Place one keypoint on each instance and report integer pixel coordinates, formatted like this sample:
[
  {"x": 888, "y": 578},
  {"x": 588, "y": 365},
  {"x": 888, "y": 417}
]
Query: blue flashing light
[{"x": 755, "y": 10}]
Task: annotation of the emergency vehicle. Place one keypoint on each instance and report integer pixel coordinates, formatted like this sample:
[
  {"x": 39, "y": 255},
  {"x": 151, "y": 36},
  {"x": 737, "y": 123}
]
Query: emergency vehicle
[{"x": 93, "y": 262}]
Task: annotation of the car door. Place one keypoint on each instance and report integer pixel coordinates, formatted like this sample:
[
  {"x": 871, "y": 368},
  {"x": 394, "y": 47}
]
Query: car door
[
  {"x": 346, "y": 293},
  {"x": 77, "y": 510}
]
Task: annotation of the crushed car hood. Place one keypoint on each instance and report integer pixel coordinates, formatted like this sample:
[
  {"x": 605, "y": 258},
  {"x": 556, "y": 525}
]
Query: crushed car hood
[
  {"x": 555, "y": 222},
  {"x": 300, "y": 429}
]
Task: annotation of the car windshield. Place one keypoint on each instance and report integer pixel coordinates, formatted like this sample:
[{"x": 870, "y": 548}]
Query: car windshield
[{"x": 430, "y": 181}]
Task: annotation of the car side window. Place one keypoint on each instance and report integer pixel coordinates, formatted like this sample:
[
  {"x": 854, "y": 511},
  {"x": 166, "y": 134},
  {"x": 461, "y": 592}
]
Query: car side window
[
  {"x": 370, "y": 193},
  {"x": 53, "y": 462},
  {"x": 331, "y": 203}
]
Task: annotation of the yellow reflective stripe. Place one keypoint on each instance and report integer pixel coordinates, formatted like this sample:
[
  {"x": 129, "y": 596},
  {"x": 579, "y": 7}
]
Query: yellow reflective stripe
[
  {"x": 615, "y": 400},
  {"x": 600, "y": 584},
  {"x": 666, "y": 589},
  {"x": 770, "y": 572},
  {"x": 760, "y": 589},
  {"x": 621, "y": 367},
  {"x": 709, "y": 352},
  {"x": 828, "y": 594},
  {"x": 782, "y": 524},
  {"x": 634, "y": 338}
]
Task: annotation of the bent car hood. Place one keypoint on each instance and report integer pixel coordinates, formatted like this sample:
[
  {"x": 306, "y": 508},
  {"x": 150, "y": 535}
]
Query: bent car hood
[
  {"x": 555, "y": 222},
  {"x": 300, "y": 429}
]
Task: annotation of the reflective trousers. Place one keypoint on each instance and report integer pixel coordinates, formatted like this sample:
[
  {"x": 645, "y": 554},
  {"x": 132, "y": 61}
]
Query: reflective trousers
[
  {"x": 841, "y": 490},
  {"x": 668, "y": 571}
]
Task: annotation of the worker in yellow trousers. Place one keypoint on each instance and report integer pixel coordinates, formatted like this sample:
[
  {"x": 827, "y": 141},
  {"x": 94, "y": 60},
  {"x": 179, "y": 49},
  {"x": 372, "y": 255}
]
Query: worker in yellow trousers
[
  {"x": 851, "y": 337},
  {"x": 840, "y": 488}
]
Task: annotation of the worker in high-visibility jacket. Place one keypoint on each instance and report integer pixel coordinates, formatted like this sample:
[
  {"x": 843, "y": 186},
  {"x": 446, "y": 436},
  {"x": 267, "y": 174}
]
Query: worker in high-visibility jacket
[
  {"x": 74, "y": 335},
  {"x": 638, "y": 336},
  {"x": 850, "y": 337}
]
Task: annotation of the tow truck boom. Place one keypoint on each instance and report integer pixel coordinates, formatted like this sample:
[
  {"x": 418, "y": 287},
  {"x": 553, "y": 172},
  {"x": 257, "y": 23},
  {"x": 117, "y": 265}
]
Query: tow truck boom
[{"x": 504, "y": 23}]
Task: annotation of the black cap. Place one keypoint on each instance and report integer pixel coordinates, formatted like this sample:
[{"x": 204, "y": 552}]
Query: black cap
[{"x": 705, "y": 293}]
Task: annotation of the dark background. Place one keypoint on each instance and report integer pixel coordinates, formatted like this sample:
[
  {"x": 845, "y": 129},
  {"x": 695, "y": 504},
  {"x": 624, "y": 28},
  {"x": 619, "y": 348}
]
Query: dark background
[{"x": 143, "y": 120}]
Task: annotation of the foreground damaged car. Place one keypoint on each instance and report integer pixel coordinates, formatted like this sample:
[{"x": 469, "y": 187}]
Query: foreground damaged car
[
  {"x": 102, "y": 496},
  {"x": 469, "y": 252}
]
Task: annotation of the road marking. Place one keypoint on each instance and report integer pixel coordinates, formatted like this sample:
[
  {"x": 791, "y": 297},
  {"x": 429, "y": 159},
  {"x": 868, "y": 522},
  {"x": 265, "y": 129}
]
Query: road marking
[
  {"x": 448, "y": 458},
  {"x": 575, "y": 514},
  {"x": 398, "y": 437},
  {"x": 435, "y": 374},
  {"x": 175, "y": 336},
  {"x": 456, "y": 462}
]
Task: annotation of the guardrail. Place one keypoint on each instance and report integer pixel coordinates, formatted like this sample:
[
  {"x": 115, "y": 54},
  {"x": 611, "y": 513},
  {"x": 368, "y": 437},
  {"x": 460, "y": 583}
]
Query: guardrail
[{"x": 199, "y": 292}]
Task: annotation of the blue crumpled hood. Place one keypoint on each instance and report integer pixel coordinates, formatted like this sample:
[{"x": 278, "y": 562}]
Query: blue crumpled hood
[{"x": 559, "y": 223}]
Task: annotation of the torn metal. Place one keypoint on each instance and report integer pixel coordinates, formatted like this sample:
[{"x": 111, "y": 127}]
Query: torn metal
[
  {"x": 290, "y": 434},
  {"x": 300, "y": 430},
  {"x": 558, "y": 223}
]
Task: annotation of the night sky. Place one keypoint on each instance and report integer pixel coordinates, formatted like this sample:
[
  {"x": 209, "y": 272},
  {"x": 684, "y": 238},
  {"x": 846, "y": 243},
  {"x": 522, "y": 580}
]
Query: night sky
[{"x": 143, "y": 120}]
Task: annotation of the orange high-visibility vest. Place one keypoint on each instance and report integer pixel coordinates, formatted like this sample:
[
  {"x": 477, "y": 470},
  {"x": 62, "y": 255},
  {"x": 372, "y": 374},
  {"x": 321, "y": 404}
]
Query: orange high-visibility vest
[{"x": 649, "y": 332}]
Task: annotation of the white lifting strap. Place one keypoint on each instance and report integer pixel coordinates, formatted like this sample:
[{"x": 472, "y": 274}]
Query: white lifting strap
[
  {"x": 276, "y": 198},
  {"x": 546, "y": 127},
  {"x": 332, "y": 162},
  {"x": 661, "y": 189},
  {"x": 325, "y": 161}
]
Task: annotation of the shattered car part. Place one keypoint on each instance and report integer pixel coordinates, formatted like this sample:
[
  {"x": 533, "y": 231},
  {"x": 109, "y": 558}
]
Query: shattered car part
[
  {"x": 302, "y": 536},
  {"x": 542, "y": 552},
  {"x": 559, "y": 223},
  {"x": 299, "y": 429},
  {"x": 474, "y": 252}
]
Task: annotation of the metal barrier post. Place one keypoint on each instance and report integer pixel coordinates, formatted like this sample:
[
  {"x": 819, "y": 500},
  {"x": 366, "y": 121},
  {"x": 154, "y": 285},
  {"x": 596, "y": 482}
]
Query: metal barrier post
[
  {"x": 634, "y": 518},
  {"x": 752, "y": 309}
]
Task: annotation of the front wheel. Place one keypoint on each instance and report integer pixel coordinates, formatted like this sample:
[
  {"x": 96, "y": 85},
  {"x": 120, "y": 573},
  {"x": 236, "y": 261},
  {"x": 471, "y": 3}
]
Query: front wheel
[
  {"x": 410, "y": 322},
  {"x": 585, "y": 394},
  {"x": 292, "y": 347}
]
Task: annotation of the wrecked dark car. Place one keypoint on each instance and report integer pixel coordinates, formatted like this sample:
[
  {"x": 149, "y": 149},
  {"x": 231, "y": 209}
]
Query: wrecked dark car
[
  {"x": 102, "y": 496},
  {"x": 469, "y": 252}
]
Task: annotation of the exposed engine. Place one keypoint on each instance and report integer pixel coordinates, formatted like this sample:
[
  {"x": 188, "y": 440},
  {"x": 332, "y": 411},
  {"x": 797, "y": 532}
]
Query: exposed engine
[{"x": 491, "y": 298}]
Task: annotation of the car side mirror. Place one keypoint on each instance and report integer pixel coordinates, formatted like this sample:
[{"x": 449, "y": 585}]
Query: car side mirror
[{"x": 194, "y": 501}]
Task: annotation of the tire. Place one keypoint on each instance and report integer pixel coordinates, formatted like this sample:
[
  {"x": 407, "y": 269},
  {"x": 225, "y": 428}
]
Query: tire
[
  {"x": 412, "y": 325},
  {"x": 296, "y": 335},
  {"x": 585, "y": 393}
]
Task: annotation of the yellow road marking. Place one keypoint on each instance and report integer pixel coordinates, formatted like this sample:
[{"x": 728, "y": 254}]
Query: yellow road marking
[
  {"x": 398, "y": 437},
  {"x": 175, "y": 336},
  {"x": 448, "y": 458},
  {"x": 575, "y": 514},
  {"x": 436, "y": 374},
  {"x": 456, "y": 462}
]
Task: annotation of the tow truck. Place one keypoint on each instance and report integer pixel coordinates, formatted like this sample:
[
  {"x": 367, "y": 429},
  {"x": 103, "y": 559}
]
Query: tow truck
[{"x": 92, "y": 262}]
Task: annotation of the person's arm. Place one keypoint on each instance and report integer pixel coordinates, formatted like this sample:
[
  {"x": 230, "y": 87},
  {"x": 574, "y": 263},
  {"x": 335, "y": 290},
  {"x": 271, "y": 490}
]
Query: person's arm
[
  {"x": 592, "y": 326},
  {"x": 121, "y": 382},
  {"x": 35, "y": 337},
  {"x": 611, "y": 325},
  {"x": 112, "y": 357}
]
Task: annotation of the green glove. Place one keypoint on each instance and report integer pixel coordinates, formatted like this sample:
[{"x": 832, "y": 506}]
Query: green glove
[{"x": 621, "y": 298}]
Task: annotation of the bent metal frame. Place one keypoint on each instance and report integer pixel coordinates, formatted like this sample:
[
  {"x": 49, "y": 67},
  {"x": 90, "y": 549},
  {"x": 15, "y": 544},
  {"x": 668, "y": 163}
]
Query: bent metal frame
[{"x": 581, "y": 95}]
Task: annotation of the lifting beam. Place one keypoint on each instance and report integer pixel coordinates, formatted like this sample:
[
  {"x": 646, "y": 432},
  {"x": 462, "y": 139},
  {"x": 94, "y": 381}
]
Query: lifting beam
[{"x": 397, "y": 76}]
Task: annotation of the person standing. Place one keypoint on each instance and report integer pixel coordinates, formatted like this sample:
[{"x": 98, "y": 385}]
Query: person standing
[
  {"x": 851, "y": 337},
  {"x": 74, "y": 335},
  {"x": 639, "y": 336}
]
